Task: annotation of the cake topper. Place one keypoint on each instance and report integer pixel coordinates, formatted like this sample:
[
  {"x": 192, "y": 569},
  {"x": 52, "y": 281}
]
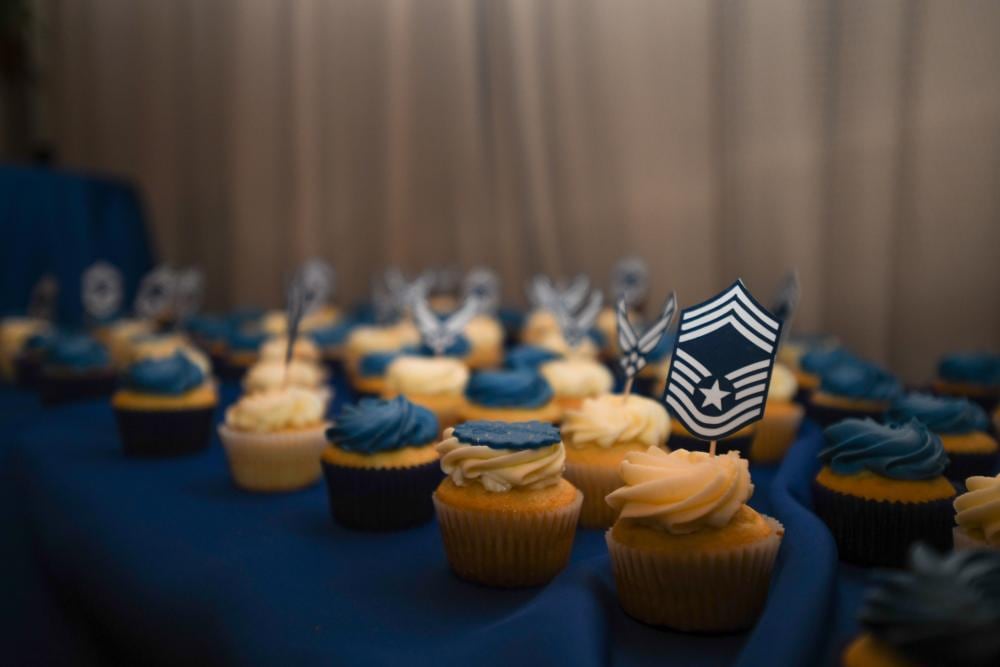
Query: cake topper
[
  {"x": 543, "y": 295},
  {"x": 102, "y": 290},
  {"x": 405, "y": 293},
  {"x": 721, "y": 364},
  {"x": 318, "y": 281},
  {"x": 786, "y": 300},
  {"x": 575, "y": 326},
  {"x": 295, "y": 308},
  {"x": 444, "y": 280},
  {"x": 572, "y": 294},
  {"x": 630, "y": 279},
  {"x": 156, "y": 293},
  {"x": 635, "y": 348},
  {"x": 189, "y": 287},
  {"x": 483, "y": 284},
  {"x": 439, "y": 334},
  {"x": 42, "y": 303}
]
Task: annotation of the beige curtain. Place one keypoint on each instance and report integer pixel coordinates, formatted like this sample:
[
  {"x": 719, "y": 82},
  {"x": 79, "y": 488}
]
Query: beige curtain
[{"x": 857, "y": 141}]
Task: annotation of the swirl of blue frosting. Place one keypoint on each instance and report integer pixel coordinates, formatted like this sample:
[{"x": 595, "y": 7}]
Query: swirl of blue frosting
[
  {"x": 529, "y": 356},
  {"x": 376, "y": 363},
  {"x": 507, "y": 435},
  {"x": 242, "y": 339},
  {"x": 459, "y": 347},
  {"x": 944, "y": 610},
  {"x": 169, "y": 376},
  {"x": 512, "y": 319},
  {"x": 949, "y": 416},
  {"x": 78, "y": 352},
  {"x": 335, "y": 334},
  {"x": 521, "y": 388},
  {"x": 209, "y": 327},
  {"x": 818, "y": 360},
  {"x": 972, "y": 367},
  {"x": 39, "y": 342},
  {"x": 905, "y": 451},
  {"x": 860, "y": 379},
  {"x": 377, "y": 425}
]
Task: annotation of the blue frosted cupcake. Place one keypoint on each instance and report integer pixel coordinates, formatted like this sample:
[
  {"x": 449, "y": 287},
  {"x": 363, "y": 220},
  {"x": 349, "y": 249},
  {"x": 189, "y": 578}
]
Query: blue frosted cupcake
[
  {"x": 381, "y": 466},
  {"x": 943, "y": 611},
  {"x": 369, "y": 378},
  {"x": 812, "y": 364},
  {"x": 28, "y": 360},
  {"x": 166, "y": 405},
  {"x": 75, "y": 367},
  {"x": 853, "y": 390},
  {"x": 960, "y": 424},
  {"x": 332, "y": 342},
  {"x": 974, "y": 375},
  {"x": 529, "y": 357},
  {"x": 510, "y": 396},
  {"x": 881, "y": 489},
  {"x": 242, "y": 350}
]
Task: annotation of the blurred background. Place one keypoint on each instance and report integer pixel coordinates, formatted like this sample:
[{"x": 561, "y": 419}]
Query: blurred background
[{"x": 855, "y": 141}]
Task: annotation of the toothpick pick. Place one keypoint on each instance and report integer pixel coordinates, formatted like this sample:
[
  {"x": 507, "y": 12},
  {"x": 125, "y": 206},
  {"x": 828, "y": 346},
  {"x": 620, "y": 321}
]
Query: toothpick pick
[
  {"x": 628, "y": 388},
  {"x": 711, "y": 448}
]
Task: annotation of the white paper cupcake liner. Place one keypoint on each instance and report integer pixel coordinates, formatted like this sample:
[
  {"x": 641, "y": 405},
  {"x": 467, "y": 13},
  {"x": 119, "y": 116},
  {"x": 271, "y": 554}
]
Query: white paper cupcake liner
[
  {"x": 695, "y": 592},
  {"x": 595, "y": 482},
  {"x": 507, "y": 549},
  {"x": 274, "y": 461}
]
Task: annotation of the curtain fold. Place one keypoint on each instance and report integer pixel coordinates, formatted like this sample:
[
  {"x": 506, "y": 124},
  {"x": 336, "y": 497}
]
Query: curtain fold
[{"x": 852, "y": 140}]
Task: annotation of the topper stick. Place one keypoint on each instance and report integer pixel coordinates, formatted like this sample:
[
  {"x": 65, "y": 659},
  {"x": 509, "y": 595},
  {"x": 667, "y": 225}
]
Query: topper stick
[
  {"x": 711, "y": 448},
  {"x": 628, "y": 388}
]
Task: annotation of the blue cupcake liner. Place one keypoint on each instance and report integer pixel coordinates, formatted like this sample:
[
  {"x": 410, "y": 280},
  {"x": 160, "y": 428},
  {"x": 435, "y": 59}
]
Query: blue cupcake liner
[{"x": 381, "y": 498}]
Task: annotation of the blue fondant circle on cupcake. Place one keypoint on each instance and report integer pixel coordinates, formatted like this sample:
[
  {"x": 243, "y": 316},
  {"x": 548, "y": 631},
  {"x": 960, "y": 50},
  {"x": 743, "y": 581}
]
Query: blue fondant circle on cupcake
[
  {"x": 949, "y": 416},
  {"x": 377, "y": 425},
  {"x": 905, "y": 451},
  {"x": 507, "y": 435},
  {"x": 521, "y": 388},
  {"x": 169, "y": 376}
]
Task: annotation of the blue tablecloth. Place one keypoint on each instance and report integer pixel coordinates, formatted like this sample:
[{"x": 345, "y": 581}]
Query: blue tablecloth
[{"x": 166, "y": 561}]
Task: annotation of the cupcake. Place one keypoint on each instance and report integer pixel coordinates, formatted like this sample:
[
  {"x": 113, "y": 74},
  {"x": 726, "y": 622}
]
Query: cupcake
[
  {"x": 14, "y": 333},
  {"x": 332, "y": 343},
  {"x": 243, "y": 350},
  {"x": 118, "y": 338},
  {"x": 166, "y": 405},
  {"x": 881, "y": 489},
  {"x": 512, "y": 321},
  {"x": 974, "y": 375},
  {"x": 538, "y": 325},
  {"x": 368, "y": 376},
  {"x": 436, "y": 383},
  {"x": 506, "y": 514},
  {"x": 977, "y": 513},
  {"x": 961, "y": 425},
  {"x": 275, "y": 322},
  {"x": 556, "y": 342},
  {"x": 852, "y": 389},
  {"x": 276, "y": 349},
  {"x": 274, "y": 439},
  {"x": 75, "y": 367},
  {"x": 510, "y": 396},
  {"x": 381, "y": 466},
  {"x": 811, "y": 366},
  {"x": 529, "y": 357},
  {"x": 269, "y": 375},
  {"x": 28, "y": 360},
  {"x": 366, "y": 340},
  {"x": 597, "y": 438},
  {"x": 485, "y": 336},
  {"x": 944, "y": 611},
  {"x": 776, "y": 431},
  {"x": 687, "y": 552},
  {"x": 573, "y": 380}
]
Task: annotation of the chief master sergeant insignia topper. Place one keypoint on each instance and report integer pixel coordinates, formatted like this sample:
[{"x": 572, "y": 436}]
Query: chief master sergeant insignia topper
[{"x": 721, "y": 364}]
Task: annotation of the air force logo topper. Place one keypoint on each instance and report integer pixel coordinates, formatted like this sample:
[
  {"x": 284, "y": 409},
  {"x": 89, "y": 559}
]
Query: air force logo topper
[{"x": 721, "y": 365}]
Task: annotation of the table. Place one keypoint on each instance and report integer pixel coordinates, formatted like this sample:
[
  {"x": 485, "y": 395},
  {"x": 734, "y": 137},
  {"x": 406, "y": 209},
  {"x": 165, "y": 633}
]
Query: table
[{"x": 166, "y": 561}]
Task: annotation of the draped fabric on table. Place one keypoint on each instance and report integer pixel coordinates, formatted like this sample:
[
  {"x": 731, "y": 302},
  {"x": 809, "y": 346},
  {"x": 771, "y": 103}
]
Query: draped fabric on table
[
  {"x": 58, "y": 223},
  {"x": 854, "y": 140}
]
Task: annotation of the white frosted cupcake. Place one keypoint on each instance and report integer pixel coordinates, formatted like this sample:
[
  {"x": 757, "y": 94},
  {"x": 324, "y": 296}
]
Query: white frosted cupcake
[
  {"x": 271, "y": 375},
  {"x": 977, "y": 513},
  {"x": 686, "y": 550},
  {"x": 776, "y": 431},
  {"x": 555, "y": 342},
  {"x": 276, "y": 349},
  {"x": 597, "y": 438},
  {"x": 539, "y": 325},
  {"x": 575, "y": 379},
  {"x": 274, "y": 439},
  {"x": 367, "y": 340},
  {"x": 485, "y": 336},
  {"x": 436, "y": 383}
]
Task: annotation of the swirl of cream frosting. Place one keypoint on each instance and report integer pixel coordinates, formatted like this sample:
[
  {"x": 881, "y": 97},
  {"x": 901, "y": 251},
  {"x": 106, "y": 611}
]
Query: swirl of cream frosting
[
  {"x": 783, "y": 384},
  {"x": 409, "y": 375},
  {"x": 275, "y": 349},
  {"x": 500, "y": 470},
  {"x": 613, "y": 419},
  {"x": 577, "y": 378},
  {"x": 979, "y": 507},
  {"x": 266, "y": 375},
  {"x": 555, "y": 342},
  {"x": 276, "y": 410},
  {"x": 484, "y": 331},
  {"x": 369, "y": 339},
  {"x": 682, "y": 492}
]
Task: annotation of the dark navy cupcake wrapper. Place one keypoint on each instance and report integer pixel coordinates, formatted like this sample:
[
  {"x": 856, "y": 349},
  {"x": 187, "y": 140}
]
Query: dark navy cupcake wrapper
[
  {"x": 961, "y": 466},
  {"x": 739, "y": 444},
  {"x": 880, "y": 533},
  {"x": 826, "y": 415},
  {"x": 165, "y": 433},
  {"x": 382, "y": 498},
  {"x": 57, "y": 389}
]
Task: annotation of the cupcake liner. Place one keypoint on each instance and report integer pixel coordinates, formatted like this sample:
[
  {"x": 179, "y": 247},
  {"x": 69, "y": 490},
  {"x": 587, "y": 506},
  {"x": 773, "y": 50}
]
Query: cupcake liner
[
  {"x": 508, "y": 549},
  {"x": 825, "y": 415},
  {"x": 720, "y": 591},
  {"x": 878, "y": 532},
  {"x": 739, "y": 444},
  {"x": 962, "y": 466},
  {"x": 161, "y": 433},
  {"x": 595, "y": 482},
  {"x": 56, "y": 389},
  {"x": 381, "y": 498},
  {"x": 774, "y": 435},
  {"x": 274, "y": 461}
]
